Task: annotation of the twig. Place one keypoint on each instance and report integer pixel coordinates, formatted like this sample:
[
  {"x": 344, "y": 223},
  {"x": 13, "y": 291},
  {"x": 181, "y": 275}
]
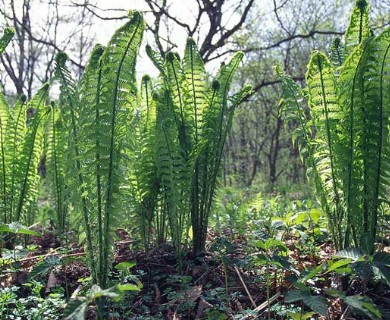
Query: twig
[
  {"x": 344, "y": 313},
  {"x": 263, "y": 305},
  {"x": 118, "y": 243},
  {"x": 52, "y": 254},
  {"x": 68, "y": 255},
  {"x": 202, "y": 276},
  {"x": 245, "y": 287},
  {"x": 76, "y": 292}
]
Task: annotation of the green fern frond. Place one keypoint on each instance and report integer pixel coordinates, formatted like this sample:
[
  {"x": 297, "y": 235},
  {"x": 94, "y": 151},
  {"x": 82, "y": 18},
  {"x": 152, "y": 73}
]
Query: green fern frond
[
  {"x": 142, "y": 156},
  {"x": 293, "y": 109},
  {"x": 156, "y": 58},
  {"x": 16, "y": 133},
  {"x": 326, "y": 114},
  {"x": 194, "y": 87},
  {"x": 118, "y": 99},
  {"x": 171, "y": 169},
  {"x": 56, "y": 164},
  {"x": 174, "y": 83},
  {"x": 193, "y": 119},
  {"x": 217, "y": 121},
  {"x": 4, "y": 116},
  {"x": 6, "y": 38},
  {"x": 92, "y": 155},
  {"x": 27, "y": 170},
  {"x": 351, "y": 100},
  {"x": 70, "y": 106},
  {"x": 359, "y": 27},
  {"x": 375, "y": 146},
  {"x": 336, "y": 53}
]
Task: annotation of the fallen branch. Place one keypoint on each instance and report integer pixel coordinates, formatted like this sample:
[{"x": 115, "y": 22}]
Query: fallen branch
[
  {"x": 245, "y": 287},
  {"x": 51, "y": 254},
  {"x": 263, "y": 305}
]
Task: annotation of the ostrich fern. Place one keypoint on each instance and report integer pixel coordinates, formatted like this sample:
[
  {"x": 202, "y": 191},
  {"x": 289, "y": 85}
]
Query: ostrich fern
[
  {"x": 21, "y": 147},
  {"x": 97, "y": 111},
  {"x": 348, "y": 153},
  {"x": 21, "y": 151},
  {"x": 144, "y": 189},
  {"x": 193, "y": 119},
  {"x": 56, "y": 163}
]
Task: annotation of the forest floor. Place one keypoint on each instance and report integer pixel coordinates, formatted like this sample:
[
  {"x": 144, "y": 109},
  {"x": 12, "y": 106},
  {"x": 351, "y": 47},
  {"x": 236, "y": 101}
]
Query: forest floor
[{"x": 232, "y": 280}]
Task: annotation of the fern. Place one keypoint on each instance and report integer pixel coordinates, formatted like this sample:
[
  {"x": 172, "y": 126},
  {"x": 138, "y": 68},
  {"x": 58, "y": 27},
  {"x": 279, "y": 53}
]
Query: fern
[
  {"x": 91, "y": 153},
  {"x": 143, "y": 174},
  {"x": 358, "y": 29},
  {"x": 70, "y": 106},
  {"x": 98, "y": 113},
  {"x": 349, "y": 153},
  {"x": 217, "y": 122},
  {"x": 56, "y": 164},
  {"x": 4, "y": 116},
  {"x": 16, "y": 129},
  {"x": 21, "y": 150},
  {"x": 27, "y": 174},
  {"x": 192, "y": 123},
  {"x": 376, "y": 147},
  {"x": 336, "y": 54},
  {"x": 326, "y": 115},
  {"x": 351, "y": 98},
  {"x": 117, "y": 99},
  {"x": 194, "y": 88},
  {"x": 171, "y": 170},
  {"x": 6, "y": 38}
]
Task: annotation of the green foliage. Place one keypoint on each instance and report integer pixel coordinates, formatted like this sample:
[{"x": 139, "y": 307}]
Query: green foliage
[
  {"x": 367, "y": 267},
  {"x": 17, "y": 228},
  {"x": 6, "y": 38},
  {"x": 316, "y": 303},
  {"x": 21, "y": 148},
  {"x": 44, "y": 267},
  {"x": 345, "y": 141},
  {"x": 97, "y": 112},
  {"x": 193, "y": 119},
  {"x": 361, "y": 304},
  {"x": 144, "y": 184},
  {"x": 75, "y": 309},
  {"x": 30, "y": 308},
  {"x": 56, "y": 164}
]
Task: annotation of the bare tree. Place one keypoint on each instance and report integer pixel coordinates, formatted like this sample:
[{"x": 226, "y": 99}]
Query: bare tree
[
  {"x": 211, "y": 22},
  {"x": 41, "y": 30}
]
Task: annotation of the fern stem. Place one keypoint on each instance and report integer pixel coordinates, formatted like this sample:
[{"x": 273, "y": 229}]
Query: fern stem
[
  {"x": 5, "y": 195},
  {"x": 194, "y": 95},
  {"x": 58, "y": 186},
  {"x": 98, "y": 176}
]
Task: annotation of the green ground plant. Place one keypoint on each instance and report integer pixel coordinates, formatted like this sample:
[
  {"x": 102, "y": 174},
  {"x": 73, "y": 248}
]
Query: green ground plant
[
  {"x": 193, "y": 119},
  {"x": 345, "y": 139},
  {"x": 21, "y": 148},
  {"x": 56, "y": 166},
  {"x": 97, "y": 112},
  {"x": 152, "y": 155}
]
